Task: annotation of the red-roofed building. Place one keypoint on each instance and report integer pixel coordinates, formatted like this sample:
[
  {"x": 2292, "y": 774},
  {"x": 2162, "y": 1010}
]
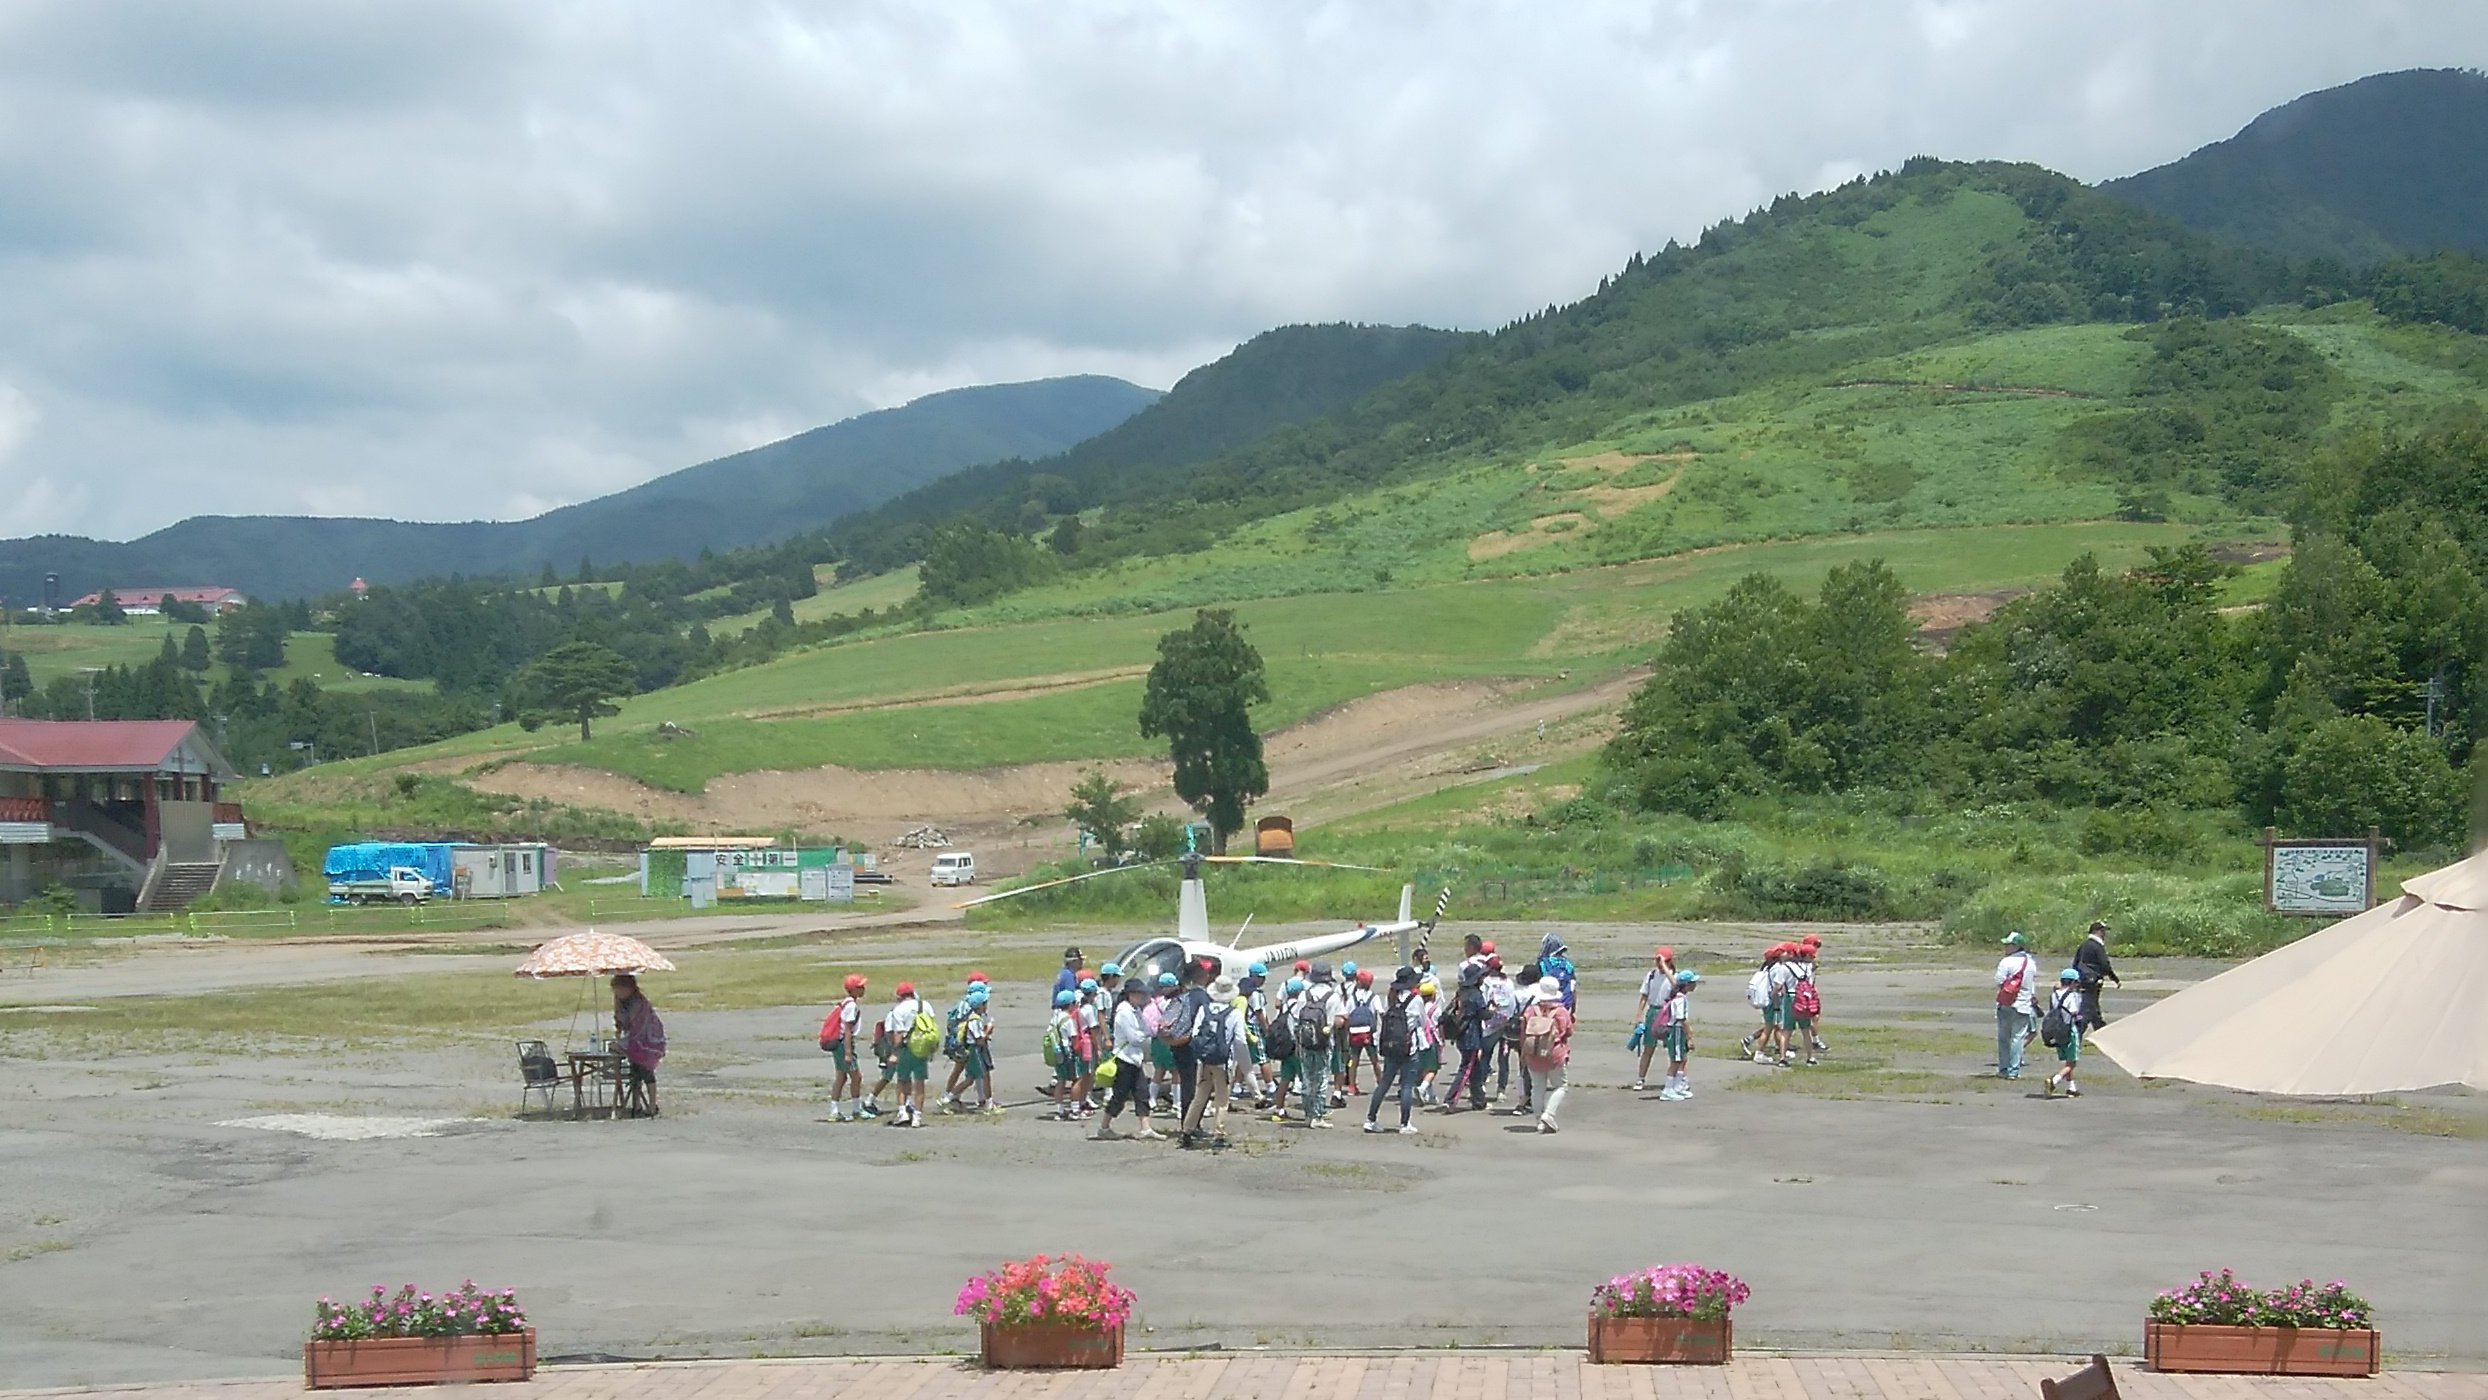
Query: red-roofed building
[
  {"x": 127, "y": 813},
  {"x": 148, "y": 602}
]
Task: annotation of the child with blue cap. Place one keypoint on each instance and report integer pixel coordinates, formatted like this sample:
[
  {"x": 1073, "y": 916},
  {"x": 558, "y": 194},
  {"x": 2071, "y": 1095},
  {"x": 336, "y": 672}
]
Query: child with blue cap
[
  {"x": 1062, "y": 1050},
  {"x": 1674, "y": 1020},
  {"x": 2068, "y": 1053}
]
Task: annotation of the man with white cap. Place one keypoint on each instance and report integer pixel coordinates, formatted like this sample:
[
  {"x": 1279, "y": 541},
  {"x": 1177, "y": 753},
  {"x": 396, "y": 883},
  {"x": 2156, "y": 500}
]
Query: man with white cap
[
  {"x": 2017, "y": 1005},
  {"x": 1217, "y": 1049}
]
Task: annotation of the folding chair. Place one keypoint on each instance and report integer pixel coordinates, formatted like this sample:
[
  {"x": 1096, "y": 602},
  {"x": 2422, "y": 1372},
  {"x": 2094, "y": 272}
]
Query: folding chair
[
  {"x": 2092, "y": 1382},
  {"x": 537, "y": 1073}
]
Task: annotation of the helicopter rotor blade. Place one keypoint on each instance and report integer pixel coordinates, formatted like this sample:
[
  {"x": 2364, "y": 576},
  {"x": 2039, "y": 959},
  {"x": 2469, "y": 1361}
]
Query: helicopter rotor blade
[
  {"x": 1057, "y": 884},
  {"x": 1288, "y": 860}
]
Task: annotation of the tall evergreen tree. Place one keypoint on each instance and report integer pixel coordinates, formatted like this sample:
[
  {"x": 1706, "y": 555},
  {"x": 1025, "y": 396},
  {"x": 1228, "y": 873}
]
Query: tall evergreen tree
[{"x": 1199, "y": 699}]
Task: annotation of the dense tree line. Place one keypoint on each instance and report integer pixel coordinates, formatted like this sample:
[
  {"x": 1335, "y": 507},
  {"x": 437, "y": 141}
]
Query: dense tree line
[
  {"x": 254, "y": 722},
  {"x": 2355, "y": 698}
]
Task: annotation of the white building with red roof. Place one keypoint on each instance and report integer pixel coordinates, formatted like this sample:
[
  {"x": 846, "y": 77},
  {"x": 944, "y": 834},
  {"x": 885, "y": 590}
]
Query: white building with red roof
[
  {"x": 128, "y": 814},
  {"x": 149, "y": 602}
]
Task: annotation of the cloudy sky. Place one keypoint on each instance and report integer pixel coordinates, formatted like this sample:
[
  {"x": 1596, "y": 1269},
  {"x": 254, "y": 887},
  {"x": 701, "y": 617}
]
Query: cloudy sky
[{"x": 442, "y": 260}]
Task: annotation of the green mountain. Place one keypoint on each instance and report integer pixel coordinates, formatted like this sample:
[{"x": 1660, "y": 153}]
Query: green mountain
[
  {"x": 2391, "y": 164},
  {"x": 752, "y": 497},
  {"x": 1809, "y": 291},
  {"x": 1278, "y": 378}
]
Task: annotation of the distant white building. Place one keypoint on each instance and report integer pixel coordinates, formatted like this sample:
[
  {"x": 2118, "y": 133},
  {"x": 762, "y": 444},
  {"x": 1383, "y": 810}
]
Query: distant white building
[{"x": 149, "y": 602}]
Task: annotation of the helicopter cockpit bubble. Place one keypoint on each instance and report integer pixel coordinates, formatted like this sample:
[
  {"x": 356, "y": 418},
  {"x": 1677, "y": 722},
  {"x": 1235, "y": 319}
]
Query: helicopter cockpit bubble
[{"x": 1151, "y": 956}]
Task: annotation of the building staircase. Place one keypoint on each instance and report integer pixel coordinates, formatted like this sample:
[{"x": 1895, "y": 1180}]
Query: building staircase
[{"x": 178, "y": 885}]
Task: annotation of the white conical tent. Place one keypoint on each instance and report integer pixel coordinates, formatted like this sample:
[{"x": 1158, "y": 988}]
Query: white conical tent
[{"x": 2386, "y": 1000}]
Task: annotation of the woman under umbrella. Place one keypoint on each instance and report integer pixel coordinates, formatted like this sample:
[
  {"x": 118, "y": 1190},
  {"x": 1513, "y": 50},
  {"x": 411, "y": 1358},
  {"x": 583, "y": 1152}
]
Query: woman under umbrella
[{"x": 642, "y": 1033}]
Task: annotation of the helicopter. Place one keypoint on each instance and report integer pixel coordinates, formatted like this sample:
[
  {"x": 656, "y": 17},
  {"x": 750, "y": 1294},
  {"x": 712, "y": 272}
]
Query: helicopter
[{"x": 1193, "y": 941}]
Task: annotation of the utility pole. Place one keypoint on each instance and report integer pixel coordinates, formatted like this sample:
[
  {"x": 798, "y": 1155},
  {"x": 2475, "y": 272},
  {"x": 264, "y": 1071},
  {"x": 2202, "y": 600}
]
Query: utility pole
[{"x": 374, "y": 717}]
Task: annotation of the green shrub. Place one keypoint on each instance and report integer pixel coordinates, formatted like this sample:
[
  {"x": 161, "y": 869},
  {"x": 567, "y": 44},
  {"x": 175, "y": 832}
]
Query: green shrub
[{"x": 2152, "y": 915}]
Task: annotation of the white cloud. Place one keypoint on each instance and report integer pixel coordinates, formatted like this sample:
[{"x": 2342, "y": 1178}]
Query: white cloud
[{"x": 451, "y": 260}]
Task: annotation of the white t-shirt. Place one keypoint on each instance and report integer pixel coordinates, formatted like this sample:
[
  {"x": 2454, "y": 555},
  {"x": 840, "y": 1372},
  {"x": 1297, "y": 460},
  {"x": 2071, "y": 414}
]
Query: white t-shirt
[
  {"x": 1783, "y": 977},
  {"x": 2027, "y": 1002},
  {"x": 902, "y": 1017},
  {"x": 1657, "y": 985}
]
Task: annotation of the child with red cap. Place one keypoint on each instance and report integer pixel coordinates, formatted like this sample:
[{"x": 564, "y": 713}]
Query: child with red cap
[
  {"x": 1657, "y": 985},
  {"x": 1805, "y": 1001},
  {"x": 838, "y": 1032}
]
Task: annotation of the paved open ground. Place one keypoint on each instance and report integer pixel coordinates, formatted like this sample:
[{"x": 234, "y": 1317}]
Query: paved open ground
[
  {"x": 1469, "y": 1376},
  {"x": 167, "y": 1218}
]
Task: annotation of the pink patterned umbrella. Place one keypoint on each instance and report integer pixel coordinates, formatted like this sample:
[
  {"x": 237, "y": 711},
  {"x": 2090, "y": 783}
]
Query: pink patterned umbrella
[{"x": 592, "y": 954}]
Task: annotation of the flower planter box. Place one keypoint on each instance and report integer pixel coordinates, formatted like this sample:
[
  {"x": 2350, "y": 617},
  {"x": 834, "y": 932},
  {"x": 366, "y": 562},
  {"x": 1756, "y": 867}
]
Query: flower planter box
[
  {"x": 1661, "y": 1341},
  {"x": 2261, "y": 1351},
  {"x": 1051, "y": 1346},
  {"x": 419, "y": 1360}
]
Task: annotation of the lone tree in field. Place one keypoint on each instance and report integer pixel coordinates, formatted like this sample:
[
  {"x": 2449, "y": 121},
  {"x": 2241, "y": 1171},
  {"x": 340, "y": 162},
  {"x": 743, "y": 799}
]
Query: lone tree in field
[
  {"x": 1100, "y": 808},
  {"x": 1206, "y": 679},
  {"x": 574, "y": 680}
]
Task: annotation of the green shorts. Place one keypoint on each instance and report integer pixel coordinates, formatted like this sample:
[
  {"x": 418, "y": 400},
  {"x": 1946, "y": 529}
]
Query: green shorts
[
  {"x": 1290, "y": 1069},
  {"x": 1430, "y": 1060},
  {"x": 1161, "y": 1054},
  {"x": 1676, "y": 1038},
  {"x": 2071, "y": 1051},
  {"x": 1067, "y": 1070},
  {"x": 912, "y": 1066},
  {"x": 1339, "y": 1059},
  {"x": 842, "y": 1056},
  {"x": 1783, "y": 1012}
]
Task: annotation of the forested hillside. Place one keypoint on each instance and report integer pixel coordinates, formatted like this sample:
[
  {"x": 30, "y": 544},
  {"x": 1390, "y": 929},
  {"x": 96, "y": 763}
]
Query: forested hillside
[
  {"x": 765, "y": 494},
  {"x": 1287, "y": 376},
  {"x": 2391, "y": 164}
]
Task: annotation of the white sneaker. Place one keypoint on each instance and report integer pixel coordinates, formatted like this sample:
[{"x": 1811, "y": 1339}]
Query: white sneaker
[
  {"x": 1372, "y": 1127},
  {"x": 1672, "y": 1095},
  {"x": 1762, "y": 1059},
  {"x": 1638, "y": 1086},
  {"x": 1408, "y": 1130},
  {"x": 1319, "y": 1123},
  {"x": 2073, "y": 1091},
  {"x": 1546, "y": 1125},
  {"x": 1150, "y": 1135}
]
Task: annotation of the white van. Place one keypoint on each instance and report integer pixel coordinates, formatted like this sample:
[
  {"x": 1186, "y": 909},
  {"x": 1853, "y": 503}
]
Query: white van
[{"x": 954, "y": 868}]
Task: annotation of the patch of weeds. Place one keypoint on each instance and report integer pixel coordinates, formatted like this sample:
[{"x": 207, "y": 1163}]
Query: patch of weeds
[
  {"x": 1357, "y": 1175},
  {"x": 51, "y": 1220},
  {"x": 1862, "y": 1082},
  {"x": 24, "y": 1252},
  {"x": 2399, "y": 1117}
]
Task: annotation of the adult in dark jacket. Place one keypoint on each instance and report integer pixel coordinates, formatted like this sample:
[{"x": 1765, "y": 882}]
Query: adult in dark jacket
[{"x": 2090, "y": 963}]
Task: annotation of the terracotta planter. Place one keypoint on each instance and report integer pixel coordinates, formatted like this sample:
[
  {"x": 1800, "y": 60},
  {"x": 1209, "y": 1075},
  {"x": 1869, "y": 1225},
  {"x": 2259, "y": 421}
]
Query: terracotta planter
[
  {"x": 419, "y": 1360},
  {"x": 1661, "y": 1341},
  {"x": 1051, "y": 1346},
  {"x": 2261, "y": 1351}
]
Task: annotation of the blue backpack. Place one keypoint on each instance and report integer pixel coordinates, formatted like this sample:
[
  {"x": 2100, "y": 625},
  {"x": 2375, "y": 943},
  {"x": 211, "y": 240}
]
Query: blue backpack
[{"x": 1560, "y": 968}]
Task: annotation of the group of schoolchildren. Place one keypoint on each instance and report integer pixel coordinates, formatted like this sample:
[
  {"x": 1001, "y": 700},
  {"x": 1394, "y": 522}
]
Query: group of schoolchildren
[
  {"x": 1783, "y": 989},
  {"x": 1199, "y": 1043},
  {"x": 904, "y": 1042}
]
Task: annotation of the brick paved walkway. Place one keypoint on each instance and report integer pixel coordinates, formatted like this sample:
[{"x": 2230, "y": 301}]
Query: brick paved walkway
[{"x": 1537, "y": 1376}]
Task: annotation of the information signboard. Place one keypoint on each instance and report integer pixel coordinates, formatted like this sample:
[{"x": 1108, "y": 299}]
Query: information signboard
[{"x": 2319, "y": 878}]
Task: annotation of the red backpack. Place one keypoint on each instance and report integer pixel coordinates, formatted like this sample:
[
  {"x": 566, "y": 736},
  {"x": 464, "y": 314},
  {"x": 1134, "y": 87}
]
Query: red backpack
[
  {"x": 1804, "y": 1000},
  {"x": 834, "y": 1027}
]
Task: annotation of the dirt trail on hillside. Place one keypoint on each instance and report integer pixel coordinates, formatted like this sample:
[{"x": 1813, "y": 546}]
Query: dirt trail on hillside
[{"x": 1011, "y": 816}]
